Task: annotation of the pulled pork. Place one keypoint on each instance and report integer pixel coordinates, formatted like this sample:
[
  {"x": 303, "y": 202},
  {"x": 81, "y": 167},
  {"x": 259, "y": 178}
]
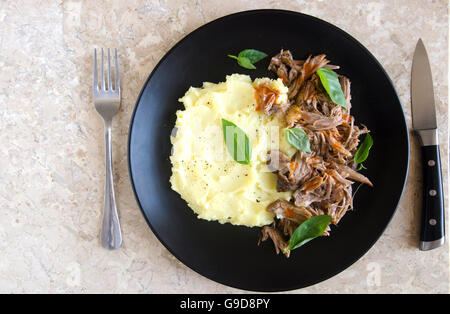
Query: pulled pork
[{"x": 321, "y": 181}]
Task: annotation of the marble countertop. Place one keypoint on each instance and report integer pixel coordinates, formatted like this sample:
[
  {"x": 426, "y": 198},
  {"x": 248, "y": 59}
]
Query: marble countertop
[{"x": 51, "y": 152}]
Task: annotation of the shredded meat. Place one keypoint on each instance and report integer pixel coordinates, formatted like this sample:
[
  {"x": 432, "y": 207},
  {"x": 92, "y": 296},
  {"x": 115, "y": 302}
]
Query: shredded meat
[
  {"x": 266, "y": 99},
  {"x": 321, "y": 181},
  {"x": 281, "y": 244},
  {"x": 286, "y": 210}
]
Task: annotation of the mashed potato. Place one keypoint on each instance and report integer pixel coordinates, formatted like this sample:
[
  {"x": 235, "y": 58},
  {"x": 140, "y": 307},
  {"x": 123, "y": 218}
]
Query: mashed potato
[{"x": 203, "y": 172}]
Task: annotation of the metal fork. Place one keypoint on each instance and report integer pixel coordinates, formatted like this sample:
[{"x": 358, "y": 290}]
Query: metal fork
[{"x": 107, "y": 104}]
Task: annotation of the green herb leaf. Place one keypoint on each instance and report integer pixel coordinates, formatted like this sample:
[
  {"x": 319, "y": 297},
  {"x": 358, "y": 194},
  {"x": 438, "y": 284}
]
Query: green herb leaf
[
  {"x": 308, "y": 230},
  {"x": 330, "y": 82},
  {"x": 246, "y": 58},
  {"x": 299, "y": 139},
  {"x": 246, "y": 63},
  {"x": 363, "y": 150},
  {"x": 252, "y": 55},
  {"x": 237, "y": 142},
  {"x": 361, "y": 166}
]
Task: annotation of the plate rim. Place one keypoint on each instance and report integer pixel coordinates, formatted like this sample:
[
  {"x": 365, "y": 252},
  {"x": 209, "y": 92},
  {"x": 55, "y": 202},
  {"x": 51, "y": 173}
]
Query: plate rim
[{"x": 404, "y": 124}]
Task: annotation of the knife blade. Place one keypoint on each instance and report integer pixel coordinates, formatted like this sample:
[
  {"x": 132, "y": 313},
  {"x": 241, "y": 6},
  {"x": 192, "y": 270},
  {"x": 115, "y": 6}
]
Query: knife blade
[
  {"x": 432, "y": 233},
  {"x": 422, "y": 95}
]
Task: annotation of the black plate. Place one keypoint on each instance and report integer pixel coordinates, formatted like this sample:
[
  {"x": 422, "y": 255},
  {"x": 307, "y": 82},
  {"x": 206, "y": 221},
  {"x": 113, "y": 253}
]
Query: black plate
[{"x": 228, "y": 254}]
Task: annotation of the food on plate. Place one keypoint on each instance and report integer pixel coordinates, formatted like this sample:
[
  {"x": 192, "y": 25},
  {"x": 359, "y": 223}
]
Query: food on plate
[
  {"x": 321, "y": 176},
  {"x": 281, "y": 154},
  {"x": 205, "y": 173}
]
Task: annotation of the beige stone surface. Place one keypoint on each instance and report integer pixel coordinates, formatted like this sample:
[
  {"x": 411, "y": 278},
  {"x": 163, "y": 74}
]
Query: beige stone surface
[{"x": 51, "y": 152}]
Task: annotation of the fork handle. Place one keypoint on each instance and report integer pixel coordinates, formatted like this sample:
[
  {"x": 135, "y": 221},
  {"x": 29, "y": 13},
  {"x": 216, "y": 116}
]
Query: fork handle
[{"x": 111, "y": 236}]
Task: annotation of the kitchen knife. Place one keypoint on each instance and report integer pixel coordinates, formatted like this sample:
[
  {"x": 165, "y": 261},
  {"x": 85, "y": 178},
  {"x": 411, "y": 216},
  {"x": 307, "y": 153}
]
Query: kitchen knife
[{"x": 432, "y": 233}]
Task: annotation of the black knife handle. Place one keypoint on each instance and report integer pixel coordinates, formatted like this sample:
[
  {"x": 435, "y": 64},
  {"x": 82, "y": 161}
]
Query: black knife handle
[{"x": 432, "y": 232}]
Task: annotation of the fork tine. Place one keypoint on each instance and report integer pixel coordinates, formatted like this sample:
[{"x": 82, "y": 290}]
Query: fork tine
[
  {"x": 103, "y": 72},
  {"x": 109, "y": 71},
  {"x": 95, "y": 71},
  {"x": 116, "y": 66}
]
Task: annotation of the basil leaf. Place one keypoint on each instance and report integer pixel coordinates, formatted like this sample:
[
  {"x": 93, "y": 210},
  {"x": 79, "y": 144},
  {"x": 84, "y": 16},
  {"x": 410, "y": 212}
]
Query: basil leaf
[
  {"x": 363, "y": 150},
  {"x": 299, "y": 139},
  {"x": 246, "y": 58},
  {"x": 331, "y": 84},
  {"x": 237, "y": 142},
  {"x": 252, "y": 55},
  {"x": 246, "y": 63},
  {"x": 308, "y": 230}
]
